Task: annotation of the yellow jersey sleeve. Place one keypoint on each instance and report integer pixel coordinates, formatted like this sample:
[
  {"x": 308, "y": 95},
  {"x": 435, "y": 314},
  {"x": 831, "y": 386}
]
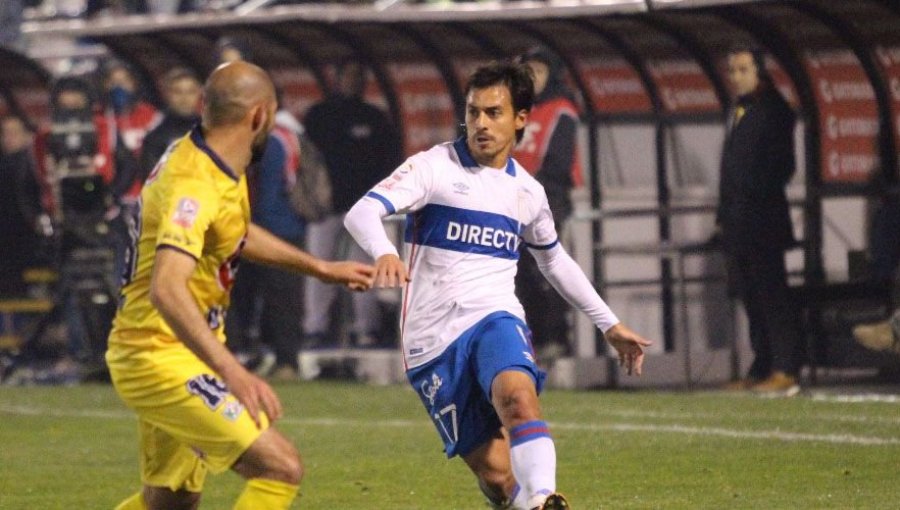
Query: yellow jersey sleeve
[{"x": 192, "y": 206}]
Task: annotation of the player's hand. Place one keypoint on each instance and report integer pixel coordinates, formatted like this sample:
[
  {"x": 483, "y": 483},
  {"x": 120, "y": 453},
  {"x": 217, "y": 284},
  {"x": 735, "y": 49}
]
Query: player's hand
[
  {"x": 254, "y": 394},
  {"x": 390, "y": 272},
  {"x": 356, "y": 275},
  {"x": 629, "y": 346}
]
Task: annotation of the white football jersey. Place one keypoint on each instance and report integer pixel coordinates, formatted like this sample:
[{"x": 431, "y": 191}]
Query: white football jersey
[{"x": 465, "y": 227}]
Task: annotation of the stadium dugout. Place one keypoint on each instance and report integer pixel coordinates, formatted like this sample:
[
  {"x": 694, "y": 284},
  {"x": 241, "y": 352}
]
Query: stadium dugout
[{"x": 650, "y": 77}]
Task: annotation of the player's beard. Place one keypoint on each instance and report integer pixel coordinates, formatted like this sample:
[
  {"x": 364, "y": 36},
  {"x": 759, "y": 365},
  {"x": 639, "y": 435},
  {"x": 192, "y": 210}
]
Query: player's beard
[{"x": 258, "y": 148}]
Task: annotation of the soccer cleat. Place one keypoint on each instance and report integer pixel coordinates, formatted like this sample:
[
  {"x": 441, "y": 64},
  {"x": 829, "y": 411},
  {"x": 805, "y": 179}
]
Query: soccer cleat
[{"x": 555, "y": 502}]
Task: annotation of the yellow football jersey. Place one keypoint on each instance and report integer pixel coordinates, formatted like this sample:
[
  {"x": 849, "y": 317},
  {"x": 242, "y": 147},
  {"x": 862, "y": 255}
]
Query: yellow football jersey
[{"x": 192, "y": 202}]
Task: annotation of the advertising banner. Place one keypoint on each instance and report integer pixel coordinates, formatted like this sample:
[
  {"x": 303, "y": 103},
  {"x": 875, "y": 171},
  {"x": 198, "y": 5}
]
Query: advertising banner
[
  {"x": 848, "y": 116},
  {"x": 425, "y": 105},
  {"x": 615, "y": 86}
]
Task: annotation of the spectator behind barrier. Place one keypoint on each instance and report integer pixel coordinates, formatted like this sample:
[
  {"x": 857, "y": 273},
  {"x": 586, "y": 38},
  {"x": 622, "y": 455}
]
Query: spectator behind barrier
[
  {"x": 19, "y": 206},
  {"x": 361, "y": 146},
  {"x": 182, "y": 90},
  {"x": 129, "y": 117},
  {"x": 548, "y": 151}
]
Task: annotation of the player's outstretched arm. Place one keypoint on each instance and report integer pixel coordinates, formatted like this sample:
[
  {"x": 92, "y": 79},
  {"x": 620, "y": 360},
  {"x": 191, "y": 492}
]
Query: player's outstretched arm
[
  {"x": 170, "y": 295},
  {"x": 629, "y": 346},
  {"x": 265, "y": 248},
  {"x": 570, "y": 281}
]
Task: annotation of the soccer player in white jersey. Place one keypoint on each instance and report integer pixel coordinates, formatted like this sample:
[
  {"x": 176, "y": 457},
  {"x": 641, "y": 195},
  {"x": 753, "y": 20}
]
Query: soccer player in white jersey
[{"x": 466, "y": 346}]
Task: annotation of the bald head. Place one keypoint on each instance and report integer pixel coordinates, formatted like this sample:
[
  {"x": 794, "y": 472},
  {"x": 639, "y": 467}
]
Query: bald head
[{"x": 232, "y": 90}]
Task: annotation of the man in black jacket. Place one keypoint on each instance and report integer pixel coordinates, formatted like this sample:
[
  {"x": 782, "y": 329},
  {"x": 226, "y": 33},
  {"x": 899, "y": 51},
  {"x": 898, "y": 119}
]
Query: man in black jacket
[
  {"x": 754, "y": 223},
  {"x": 19, "y": 205},
  {"x": 361, "y": 146}
]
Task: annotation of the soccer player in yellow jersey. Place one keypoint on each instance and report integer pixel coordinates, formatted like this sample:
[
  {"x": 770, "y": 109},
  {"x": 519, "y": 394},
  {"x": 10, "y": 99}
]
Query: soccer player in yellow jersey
[{"x": 199, "y": 410}]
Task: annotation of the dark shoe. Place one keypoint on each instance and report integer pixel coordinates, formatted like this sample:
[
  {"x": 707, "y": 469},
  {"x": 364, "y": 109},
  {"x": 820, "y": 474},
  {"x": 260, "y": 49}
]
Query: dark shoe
[{"x": 555, "y": 502}]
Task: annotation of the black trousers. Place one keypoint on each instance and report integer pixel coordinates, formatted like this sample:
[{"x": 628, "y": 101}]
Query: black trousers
[
  {"x": 545, "y": 309},
  {"x": 758, "y": 278},
  {"x": 266, "y": 309}
]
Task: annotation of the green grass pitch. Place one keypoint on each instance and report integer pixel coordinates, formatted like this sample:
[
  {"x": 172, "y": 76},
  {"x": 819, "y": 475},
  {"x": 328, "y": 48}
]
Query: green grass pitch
[{"x": 374, "y": 448}]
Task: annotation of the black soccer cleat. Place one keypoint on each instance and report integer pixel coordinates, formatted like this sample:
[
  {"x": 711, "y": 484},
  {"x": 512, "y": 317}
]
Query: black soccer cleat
[{"x": 555, "y": 502}]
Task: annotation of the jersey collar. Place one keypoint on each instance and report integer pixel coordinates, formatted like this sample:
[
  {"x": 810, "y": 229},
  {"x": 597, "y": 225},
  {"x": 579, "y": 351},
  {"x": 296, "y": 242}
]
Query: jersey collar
[
  {"x": 465, "y": 157},
  {"x": 200, "y": 142}
]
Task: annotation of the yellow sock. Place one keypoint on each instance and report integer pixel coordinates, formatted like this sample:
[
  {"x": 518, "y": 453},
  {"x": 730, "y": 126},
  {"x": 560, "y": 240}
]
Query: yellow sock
[
  {"x": 135, "y": 502},
  {"x": 262, "y": 494}
]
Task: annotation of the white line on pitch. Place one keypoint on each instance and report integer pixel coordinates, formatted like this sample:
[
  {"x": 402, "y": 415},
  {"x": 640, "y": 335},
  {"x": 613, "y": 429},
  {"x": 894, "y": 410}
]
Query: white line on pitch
[{"x": 774, "y": 435}]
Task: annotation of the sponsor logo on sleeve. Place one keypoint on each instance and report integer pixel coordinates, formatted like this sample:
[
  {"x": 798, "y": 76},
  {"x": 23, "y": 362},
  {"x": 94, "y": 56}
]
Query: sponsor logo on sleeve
[{"x": 186, "y": 212}]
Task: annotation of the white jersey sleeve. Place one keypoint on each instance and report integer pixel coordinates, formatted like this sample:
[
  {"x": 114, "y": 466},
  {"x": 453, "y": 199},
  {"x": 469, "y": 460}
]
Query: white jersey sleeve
[
  {"x": 363, "y": 221},
  {"x": 541, "y": 233},
  {"x": 407, "y": 189},
  {"x": 570, "y": 281}
]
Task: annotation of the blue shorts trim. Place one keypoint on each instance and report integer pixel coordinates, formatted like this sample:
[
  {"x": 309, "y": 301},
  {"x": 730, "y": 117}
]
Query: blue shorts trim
[{"x": 455, "y": 387}]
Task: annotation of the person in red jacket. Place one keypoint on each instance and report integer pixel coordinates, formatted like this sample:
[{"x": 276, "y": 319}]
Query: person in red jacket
[
  {"x": 128, "y": 115},
  {"x": 548, "y": 151}
]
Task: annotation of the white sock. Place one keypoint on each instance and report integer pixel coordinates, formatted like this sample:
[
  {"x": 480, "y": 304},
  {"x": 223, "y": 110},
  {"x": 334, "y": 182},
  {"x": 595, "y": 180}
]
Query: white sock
[
  {"x": 520, "y": 499},
  {"x": 533, "y": 456}
]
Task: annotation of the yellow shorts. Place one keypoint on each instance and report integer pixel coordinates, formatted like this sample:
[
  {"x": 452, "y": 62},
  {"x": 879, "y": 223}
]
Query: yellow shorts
[{"x": 188, "y": 422}]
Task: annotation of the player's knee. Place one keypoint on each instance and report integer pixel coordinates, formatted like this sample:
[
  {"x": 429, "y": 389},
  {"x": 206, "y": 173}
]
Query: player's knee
[
  {"x": 517, "y": 405},
  {"x": 273, "y": 457},
  {"x": 294, "y": 469},
  {"x": 286, "y": 467}
]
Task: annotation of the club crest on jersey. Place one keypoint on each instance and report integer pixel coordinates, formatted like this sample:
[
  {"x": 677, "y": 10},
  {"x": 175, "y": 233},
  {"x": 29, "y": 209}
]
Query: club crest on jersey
[
  {"x": 232, "y": 410},
  {"x": 186, "y": 212},
  {"x": 430, "y": 391}
]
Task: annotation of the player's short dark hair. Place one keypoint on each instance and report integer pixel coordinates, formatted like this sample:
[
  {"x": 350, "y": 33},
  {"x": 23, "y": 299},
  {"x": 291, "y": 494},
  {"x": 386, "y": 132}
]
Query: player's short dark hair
[{"x": 516, "y": 77}]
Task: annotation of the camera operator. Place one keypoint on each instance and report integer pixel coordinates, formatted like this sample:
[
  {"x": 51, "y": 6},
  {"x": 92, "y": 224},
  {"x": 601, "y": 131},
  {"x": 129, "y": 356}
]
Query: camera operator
[{"x": 84, "y": 172}]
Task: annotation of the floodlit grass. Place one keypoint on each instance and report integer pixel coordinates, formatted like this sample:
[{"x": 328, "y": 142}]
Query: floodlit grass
[{"x": 374, "y": 448}]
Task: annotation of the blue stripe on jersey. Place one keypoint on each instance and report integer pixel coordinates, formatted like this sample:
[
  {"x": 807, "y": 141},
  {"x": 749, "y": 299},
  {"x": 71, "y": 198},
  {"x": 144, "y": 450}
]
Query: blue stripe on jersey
[
  {"x": 542, "y": 246},
  {"x": 465, "y": 157},
  {"x": 387, "y": 203},
  {"x": 464, "y": 230}
]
